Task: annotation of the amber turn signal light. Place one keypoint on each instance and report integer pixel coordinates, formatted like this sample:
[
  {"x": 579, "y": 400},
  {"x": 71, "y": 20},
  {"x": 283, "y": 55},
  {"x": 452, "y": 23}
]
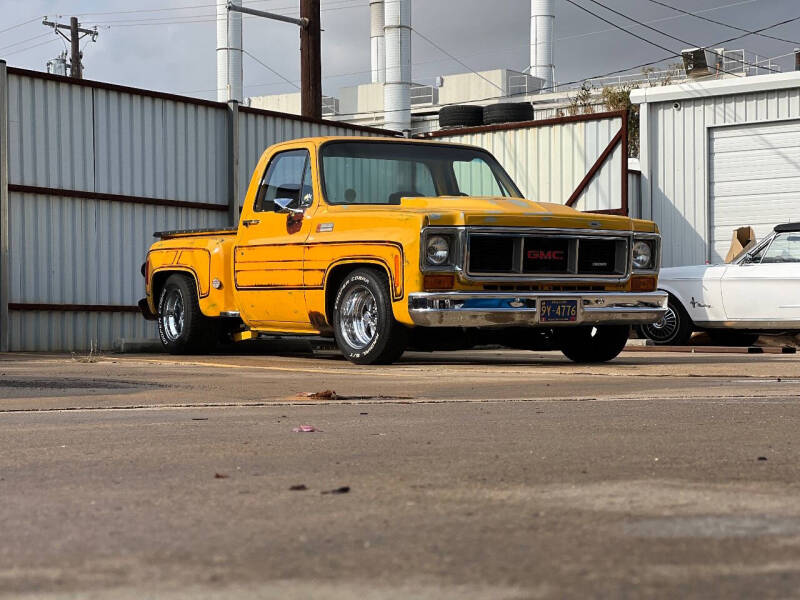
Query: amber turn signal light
[
  {"x": 438, "y": 282},
  {"x": 643, "y": 284}
]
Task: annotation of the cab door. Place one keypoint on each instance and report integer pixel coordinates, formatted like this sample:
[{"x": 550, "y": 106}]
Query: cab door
[{"x": 268, "y": 258}]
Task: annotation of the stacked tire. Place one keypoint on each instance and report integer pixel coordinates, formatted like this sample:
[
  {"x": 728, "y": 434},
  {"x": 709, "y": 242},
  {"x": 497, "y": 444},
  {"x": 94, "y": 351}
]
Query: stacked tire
[
  {"x": 468, "y": 115},
  {"x": 507, "y": 112},
  {"x": 460, "y": 115}
]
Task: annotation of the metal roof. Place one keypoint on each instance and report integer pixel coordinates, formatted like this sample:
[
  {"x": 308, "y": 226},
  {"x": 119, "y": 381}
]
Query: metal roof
[{"x": 693, "y": 89}]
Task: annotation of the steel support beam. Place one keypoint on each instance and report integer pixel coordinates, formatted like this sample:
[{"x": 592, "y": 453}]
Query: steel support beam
[
  {"x": 4, "y": 212},
  {"x": 268, "y": 15},
  {"x": 233, "y": 162}
]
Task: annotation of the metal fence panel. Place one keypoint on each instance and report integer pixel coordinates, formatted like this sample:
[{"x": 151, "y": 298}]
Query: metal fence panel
[
  {"x": 157, "y": 148},
  {"x": 83, "y": 251},
  {"x": 75, "y": 254},
  {"x": 50, "y": 133},
  {"x": 548, "y": 161}
]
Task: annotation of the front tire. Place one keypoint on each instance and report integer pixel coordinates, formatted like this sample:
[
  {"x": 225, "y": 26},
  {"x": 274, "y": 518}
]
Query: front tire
[
  {"x": 674, "y": 329},
  {"x": 181, "y": 326},
  {"x": 363, "y": 323},
  {"x": 592, "y": 344}
]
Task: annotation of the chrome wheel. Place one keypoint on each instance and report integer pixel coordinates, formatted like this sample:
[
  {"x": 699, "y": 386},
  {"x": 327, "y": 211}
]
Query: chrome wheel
[
  {"x": 664, "y": 330},
  {"x": 172, "y": 314},
  {"x": 359, "y": 317}
]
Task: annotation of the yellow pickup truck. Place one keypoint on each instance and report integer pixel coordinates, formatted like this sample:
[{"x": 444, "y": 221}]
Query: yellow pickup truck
[{"x": 385, "y": 244}]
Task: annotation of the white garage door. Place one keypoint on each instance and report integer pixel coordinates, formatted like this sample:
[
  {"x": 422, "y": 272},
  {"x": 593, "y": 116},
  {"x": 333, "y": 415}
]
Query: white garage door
[{"x": 754, "y": 179}]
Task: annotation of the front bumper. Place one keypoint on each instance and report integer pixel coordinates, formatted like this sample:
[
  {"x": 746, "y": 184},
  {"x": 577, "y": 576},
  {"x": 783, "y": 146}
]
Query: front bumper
[{"x": 508, "y": 309}]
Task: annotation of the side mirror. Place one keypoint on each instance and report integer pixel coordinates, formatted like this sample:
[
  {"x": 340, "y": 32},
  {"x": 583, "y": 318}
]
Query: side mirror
[{"x": 284, "y": 206}]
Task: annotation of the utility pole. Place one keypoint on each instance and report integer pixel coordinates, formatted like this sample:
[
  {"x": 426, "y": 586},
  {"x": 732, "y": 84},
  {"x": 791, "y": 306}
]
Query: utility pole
[
  {"x": 310, "y": 61},
  {"x": 76, "y": 33},
  {"x": 310, "y": 52}
]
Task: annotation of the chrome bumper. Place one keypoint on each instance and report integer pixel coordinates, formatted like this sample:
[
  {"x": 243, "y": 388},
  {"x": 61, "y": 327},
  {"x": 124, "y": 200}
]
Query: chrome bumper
[{"x": 507, "y": 309}]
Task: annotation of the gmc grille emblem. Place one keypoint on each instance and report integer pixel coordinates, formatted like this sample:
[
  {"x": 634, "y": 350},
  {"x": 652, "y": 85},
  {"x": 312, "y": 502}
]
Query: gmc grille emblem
[{"x": 546, "y": 254}]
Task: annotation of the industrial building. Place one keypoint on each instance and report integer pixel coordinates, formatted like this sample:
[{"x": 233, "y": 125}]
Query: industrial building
[{"x": 716, "y": 155}]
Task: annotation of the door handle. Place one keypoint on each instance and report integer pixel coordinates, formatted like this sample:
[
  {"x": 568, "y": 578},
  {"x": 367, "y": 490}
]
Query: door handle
[{"x": 248, "y": 222}]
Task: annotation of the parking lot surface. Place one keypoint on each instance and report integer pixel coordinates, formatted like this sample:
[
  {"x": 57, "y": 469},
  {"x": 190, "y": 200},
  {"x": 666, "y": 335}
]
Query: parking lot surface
[{"x": 491, "y": 474}]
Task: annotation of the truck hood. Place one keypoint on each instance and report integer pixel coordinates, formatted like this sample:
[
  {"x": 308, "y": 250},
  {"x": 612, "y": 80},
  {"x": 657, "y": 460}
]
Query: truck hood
[{"x": 509, "y": 212}]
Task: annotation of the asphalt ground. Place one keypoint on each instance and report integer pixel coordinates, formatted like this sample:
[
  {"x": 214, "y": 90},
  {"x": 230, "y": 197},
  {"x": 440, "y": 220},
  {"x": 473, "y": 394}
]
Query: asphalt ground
[{"x": 492, "y": 474}]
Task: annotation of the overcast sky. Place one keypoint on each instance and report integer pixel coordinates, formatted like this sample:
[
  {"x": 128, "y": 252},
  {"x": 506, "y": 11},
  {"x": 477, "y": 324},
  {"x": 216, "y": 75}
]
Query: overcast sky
[{"x": 148, "y": 49}]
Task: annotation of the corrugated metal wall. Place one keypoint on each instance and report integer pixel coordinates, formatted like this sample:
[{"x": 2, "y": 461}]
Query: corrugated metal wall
[
  {"x": 74, "y": 258},
  {"x": 675, "y": 186},
  {"x": 548, "y": 161}
]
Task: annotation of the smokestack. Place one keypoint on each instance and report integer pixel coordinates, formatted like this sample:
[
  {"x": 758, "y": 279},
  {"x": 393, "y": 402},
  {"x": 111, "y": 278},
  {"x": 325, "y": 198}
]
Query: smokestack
[
  {"x": 377, "y": 41},
  {"x": 397, "y": 89},
  {"x": 543, "y": 16},
  {"x": 229, "y": 52}
]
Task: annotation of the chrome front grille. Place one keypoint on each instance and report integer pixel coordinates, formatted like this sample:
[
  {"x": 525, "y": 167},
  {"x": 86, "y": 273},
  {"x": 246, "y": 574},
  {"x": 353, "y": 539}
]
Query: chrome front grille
[{"x": 546, "y": 255}]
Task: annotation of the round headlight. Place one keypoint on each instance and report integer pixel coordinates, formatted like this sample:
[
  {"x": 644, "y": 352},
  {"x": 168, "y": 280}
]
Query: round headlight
[
  {"x": 642, "y": 255},
  {"x": 437, "y": 250}
]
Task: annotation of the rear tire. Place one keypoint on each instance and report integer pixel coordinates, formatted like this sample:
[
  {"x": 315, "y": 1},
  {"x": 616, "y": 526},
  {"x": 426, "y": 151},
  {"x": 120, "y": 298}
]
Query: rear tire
[
  {"x": 674, "y": 329},
  {"x": 181, "y": 326},
  {"x": 592, "y": 344},
  {"x": 363, "y": 323}
]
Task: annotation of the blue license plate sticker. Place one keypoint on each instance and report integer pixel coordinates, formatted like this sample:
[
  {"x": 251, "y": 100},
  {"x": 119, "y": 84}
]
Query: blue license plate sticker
[{"x": 558, "y": 310}]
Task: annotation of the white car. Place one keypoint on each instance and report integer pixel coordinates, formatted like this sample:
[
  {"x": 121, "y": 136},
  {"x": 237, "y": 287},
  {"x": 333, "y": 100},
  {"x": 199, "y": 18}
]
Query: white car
[{"x": 758, "y": 293}]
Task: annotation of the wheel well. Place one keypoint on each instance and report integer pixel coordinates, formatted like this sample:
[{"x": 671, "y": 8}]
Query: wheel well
[
  {"x": 679, "y": 302},
  {"x": 160, "y": 278},
  {"x": 338, "y": 274}
]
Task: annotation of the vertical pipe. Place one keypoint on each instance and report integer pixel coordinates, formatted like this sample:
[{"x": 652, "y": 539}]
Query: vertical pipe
[
  {"x": 229, "y": 52},
  {"x": 377, "y": 41},
  {"x": 4, "y": 230},
  {"x": 311, "y": 60},
  {"x": 233, "y": 163},
  {"x": 543, "y": 18},
  {"x": 397, "y": 89}
]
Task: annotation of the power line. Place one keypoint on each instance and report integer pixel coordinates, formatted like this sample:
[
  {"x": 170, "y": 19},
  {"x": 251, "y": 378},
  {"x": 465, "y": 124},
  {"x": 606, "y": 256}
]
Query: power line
[
  {"x": 187, "y": 7},
  {"x": 702, "y": 18},
  {"x": 270, "y": 69},
  {"x": 333, "y": 6},
  {"x": 610, "y": 73},
  {"x": 629, "y": 32},
  {"x": 33, "y": 20},
  {"x": 36, "y": 37},
  {"x": 55, "y": 39},
  {"x": 459, "y": 61},
  {"x": 660, "y": 20}
]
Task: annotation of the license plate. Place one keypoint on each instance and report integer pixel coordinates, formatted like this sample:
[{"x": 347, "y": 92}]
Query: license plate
[{"x": 558, "y": 310}]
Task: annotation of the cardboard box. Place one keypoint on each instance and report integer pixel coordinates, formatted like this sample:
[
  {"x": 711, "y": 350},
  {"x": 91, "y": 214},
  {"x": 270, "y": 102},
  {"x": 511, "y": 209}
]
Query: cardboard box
[{"x": 743, "y": 239}]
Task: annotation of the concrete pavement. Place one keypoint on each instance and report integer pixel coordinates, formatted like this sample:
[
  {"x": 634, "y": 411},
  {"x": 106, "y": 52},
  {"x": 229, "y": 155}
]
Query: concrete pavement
[{"x": 489, "y": 474}]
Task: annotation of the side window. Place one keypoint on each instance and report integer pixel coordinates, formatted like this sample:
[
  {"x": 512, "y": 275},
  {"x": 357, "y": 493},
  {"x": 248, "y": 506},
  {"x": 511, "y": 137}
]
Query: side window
[
  {"x": 475, "y": 178},
  {"x": 284, "y": 178},
  {"x": 784, "y": 249}
]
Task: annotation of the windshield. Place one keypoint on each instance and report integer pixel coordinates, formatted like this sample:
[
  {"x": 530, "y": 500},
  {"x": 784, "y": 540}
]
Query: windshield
[{"x": 365, "y": 172}]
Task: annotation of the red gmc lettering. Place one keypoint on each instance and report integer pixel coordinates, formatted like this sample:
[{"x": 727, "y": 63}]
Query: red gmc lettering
[{"x": 546, "y": 254}]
